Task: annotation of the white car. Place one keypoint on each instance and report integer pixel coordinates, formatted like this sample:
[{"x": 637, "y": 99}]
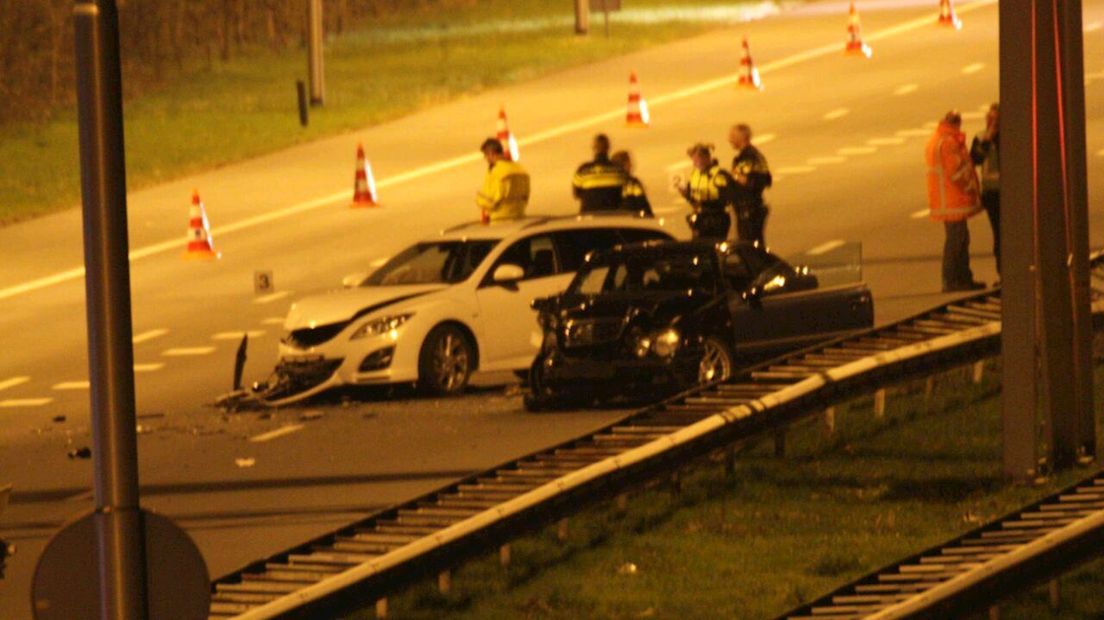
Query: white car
[{"x": 445, "y": 307}]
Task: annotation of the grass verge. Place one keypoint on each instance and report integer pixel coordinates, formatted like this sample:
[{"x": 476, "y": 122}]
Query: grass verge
[
  {"x": 405, "y": 62},
  {"x": 781, "y": 532}
]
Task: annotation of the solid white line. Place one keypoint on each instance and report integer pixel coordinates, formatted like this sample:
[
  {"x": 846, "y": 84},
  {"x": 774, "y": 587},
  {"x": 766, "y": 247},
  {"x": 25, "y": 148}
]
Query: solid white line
[
  {"x": 149, "y": 335},
  {"x": 25, "y": 402},
  {"x": 921, "y": 214},
  {"x": 885, "y": 141},
  {"x": 12, "y": 382},
  {"x": 273, "y": 320},
  {"x": 280, "y": 432},
  {"x": 826, "y": 247},
  {"x": 271, "y": 297},
  {"x": 905, "y": 89},
  {"x": 187, "y": 351},
  {"x": 148, "y": 367},
  {"x": 819, "y": 161},
  {"x": 455, "y": 162},
  {"x": 796, "y": 169},
  {"x": 913, "y": 133},
  {"x": 837, "y": 113},
  {"x": 973, "y": 68},
  {"x": 252, "y": 333},
  {"x": 71, "y": 385},
  {"x": 857, "y": 150}
]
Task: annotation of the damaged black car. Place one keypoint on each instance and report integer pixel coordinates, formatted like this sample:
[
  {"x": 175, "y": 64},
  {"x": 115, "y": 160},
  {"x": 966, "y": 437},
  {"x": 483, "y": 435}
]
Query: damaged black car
[{"x": 645, "y": 321}]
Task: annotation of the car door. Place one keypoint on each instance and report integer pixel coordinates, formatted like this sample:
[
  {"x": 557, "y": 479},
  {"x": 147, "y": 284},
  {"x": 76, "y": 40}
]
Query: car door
[{"x": 511, "y": 334}]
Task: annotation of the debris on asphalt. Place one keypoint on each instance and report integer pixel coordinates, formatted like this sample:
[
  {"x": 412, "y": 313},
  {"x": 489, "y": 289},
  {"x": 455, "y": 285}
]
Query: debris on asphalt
[
  {"x": 83, "y": 452},
  {"x": 244, "y": 462},
  {"x": 59, "y": 418},
  {"x": 313, "y": 414},
  {"x": 371, "y": 415}
]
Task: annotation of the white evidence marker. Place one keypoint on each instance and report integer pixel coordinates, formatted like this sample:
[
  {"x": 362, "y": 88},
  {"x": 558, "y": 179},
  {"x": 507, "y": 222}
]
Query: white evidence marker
[
  {"x": 919, "y": 215},
  {"x": 187, "y": 351},
  {"x": 886, "y": 141},
  {"x": 818, "y": 161},
  {"x": 252, "y": 333},
  {"x": 12, "y": 382},
  {"x": 905, "y": 89},
  {"x": 857, "y": 150},
  {"x": 273, "y": 434},
  {"x": 24, "y": 402},
  {"x": 148, "y": 367},
  {"x": 837, "y": 113},
  {"x": 271, "y": 297},
  {"x": 72, "y": 385},
  {"x": 146, "y": 336},
  {"x": 825, "y": 247},
  {"x": 973, "y": 68}
]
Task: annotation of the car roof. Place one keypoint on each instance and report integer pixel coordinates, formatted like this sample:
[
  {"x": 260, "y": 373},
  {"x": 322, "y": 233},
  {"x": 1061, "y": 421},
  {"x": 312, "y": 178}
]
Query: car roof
[{"x": 539, "y": 223}]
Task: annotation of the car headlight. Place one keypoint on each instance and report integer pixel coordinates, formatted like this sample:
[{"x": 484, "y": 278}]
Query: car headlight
[
  {"x": 382, "y": 325},
  {"x": 666, "y": 342}
]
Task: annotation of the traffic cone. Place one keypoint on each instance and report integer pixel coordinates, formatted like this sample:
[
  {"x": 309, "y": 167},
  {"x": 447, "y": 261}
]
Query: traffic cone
[
  {"x": 637, "y": 113},
  {"x": 947, "y": 15},
  {"x": 855, "y": 43},
  {"x": 364, "y": 185},
  {"x": 509, "y": 144},
  {"x": 200, "y": 245},
  {"x": 749, "y": 75}
]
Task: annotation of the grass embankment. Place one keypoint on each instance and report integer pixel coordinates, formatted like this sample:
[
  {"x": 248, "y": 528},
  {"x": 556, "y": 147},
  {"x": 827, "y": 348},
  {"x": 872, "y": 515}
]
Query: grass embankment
[
  {"x": 782, "y": 531},
  {"x": 403, "y": 63}
]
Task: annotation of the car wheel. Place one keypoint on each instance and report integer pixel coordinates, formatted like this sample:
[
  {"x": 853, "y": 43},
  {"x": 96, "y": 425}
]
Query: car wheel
[
  {"x": 445, "y": 362},
  {"x": 716, "y": 362}
]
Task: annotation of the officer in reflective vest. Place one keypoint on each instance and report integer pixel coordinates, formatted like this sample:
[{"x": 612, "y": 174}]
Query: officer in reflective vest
[
  {"x": 985, "y": 152},
  {"x": 633, "y": 197},
  {"x": 710, "y": 193},
  {"x": 597, "y": 183},
  {"x": 505, "y": 191},
  {"x": 752, "y": 176},
  {"x": 953, "y": 198}
]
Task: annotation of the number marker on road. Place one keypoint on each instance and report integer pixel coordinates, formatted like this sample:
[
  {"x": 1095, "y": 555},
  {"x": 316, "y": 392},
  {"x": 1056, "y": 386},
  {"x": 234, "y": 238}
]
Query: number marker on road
[
  {"x": 252, "y": 333},
  {"x": 973, "y": 68},
  {"x": 149, "y": 335},
  {"x": 265, "y": 299},
  {"x": 826, "y": 247},
  {"x": 905, "y": 89},
  {"x": 837, "y": 113},
  {"x": 273, "y": 434},
  {"x": 12, "y": 382},
  {"x": 71, "y": 385},
  {"x": 24, "y": 402},
  {"x": 187, "y": 351}
]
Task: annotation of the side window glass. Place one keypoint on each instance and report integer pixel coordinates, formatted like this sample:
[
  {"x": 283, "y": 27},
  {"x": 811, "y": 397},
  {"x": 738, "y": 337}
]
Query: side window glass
[
  {"x": 775, "y": 278},
  {"x": 535, "y": 255},
  {"x": 573, "y": 245},
  {"x": 637, "y": 235}
]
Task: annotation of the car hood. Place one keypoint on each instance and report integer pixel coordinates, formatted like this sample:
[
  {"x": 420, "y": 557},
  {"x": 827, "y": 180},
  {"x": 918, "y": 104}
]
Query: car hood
[
  {"x": 650, "y": 309},
  {"x": 345, "y": 305}
]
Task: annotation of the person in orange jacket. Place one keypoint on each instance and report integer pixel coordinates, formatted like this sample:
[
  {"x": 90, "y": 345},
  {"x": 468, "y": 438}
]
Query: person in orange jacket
[{"x": 953, "y": 196}]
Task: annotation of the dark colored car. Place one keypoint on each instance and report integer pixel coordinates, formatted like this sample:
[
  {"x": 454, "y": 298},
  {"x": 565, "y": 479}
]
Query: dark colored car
[{"x": 651, "y": 319}]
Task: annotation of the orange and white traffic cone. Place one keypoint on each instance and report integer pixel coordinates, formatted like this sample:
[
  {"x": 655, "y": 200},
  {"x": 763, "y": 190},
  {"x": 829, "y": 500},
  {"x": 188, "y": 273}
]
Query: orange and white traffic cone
[
  {"x": 749, "y": 75},
  {"x": 509, "y": 144},
  {"x": 364, "y": 185},
  {"x": 199, "y": 244},
  {"x": 637, "y": 113},
  {"x": 855, "y": 43},
  {"x": 947, "y": 15}
]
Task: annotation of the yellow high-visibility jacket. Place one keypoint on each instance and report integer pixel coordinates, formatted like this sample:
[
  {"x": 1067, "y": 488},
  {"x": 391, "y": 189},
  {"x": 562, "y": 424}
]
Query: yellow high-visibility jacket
[{"x": 505, "y": 191}]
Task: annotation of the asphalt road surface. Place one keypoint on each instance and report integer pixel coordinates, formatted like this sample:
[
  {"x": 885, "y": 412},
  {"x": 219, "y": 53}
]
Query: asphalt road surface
[{"x": 844, "y": 136}]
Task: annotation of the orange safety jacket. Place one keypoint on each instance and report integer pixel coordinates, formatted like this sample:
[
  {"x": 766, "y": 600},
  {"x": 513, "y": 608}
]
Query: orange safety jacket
[{"x": 952, "y": 180}]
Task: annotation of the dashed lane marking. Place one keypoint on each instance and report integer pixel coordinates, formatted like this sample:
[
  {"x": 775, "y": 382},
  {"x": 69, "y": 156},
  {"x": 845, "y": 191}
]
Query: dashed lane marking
[
  {"x": 151, "y": 367},
  {"x": 905, "y": 89},
  {"x": 826, "y": 247},
  {"x": 1093, "y": 26},
  {"x": 857, "y": 150},
  {"x": 273, "y": 320},
  {"x": 837, "y": 113},
  {"x": 913, "y": 133},
  {"x": 919, "y": 215},
  {"x": 796, "y": 169},
  {"x": 188, "y": 351},
  {"x": 12, "y": 382},
  {"x": 762, "y": 139},
  {"x": 273, "y": 434},
  {"x": 885, "y": 141},
  {"x": 252, "y": 333},
  {"x": 819, "y": 161},
  {"x": 973, "y": 68},
  {"x": 146, "y": 336},
  {"x": 71, "y": 385},
  {"x": 271, "y": 297},
  {"x": 973, "y": 116},
  {"x": 725, "y": 81},
  {"x": 12, "y": 403},
  {"x": 678, "y": 165}
]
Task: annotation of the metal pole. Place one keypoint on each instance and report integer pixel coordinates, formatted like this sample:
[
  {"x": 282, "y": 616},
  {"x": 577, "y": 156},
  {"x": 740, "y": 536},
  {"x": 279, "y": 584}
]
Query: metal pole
[
  {"x": 121, "y": 553},
  {"x": 314, "y": 53},
  {"x": 582, "y": 16}
]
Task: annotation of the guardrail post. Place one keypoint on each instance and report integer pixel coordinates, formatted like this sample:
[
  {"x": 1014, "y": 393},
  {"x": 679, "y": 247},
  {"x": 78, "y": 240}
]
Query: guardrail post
[
  {"x": 829, "y": 418},
  {"x": 504, "y": 555},
  {"x": 381, "y": 608},
  {"x": 994, "y": 612},
  {"x": 676, "y": 484},
  {"x": 1055, "y": 591},
  {"x": 444, "y": 581},
  {"x": 929, "y": 388},
  {"x": 880, "y": 403},
  {"x": 979, "y": 372},
  {"x": 779, "y": 443},
  {"x": 622, "y": 502},
  {"x": 561, "y": 529}
]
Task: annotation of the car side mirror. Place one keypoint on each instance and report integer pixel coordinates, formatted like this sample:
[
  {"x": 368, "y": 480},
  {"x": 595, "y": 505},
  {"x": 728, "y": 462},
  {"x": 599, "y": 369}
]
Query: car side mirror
[
  {"x": 354, "y": 280},
  {"x": 507, "y": 273}
]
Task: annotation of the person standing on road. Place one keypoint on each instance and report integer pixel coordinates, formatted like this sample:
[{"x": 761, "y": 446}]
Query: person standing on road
[
  {"x": 985, "y": 152},
  {"x": 752, "y": 176},
  {"x": 505, "y": 191},
  {"x": 633, "y": 197},
  {"x": 709, "y": 192},
  {"x": 953, "y": 198},
  {"x": 597, "y": 183}
]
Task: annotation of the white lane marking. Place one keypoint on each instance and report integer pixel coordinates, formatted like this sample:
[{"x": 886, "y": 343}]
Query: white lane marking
[
  {"x": 1092, "y": 26},
  {"x": 931, "y": 125},
  {"x": 913, "y": 133},
  {"x": 905, "y": 89},
  {"x": 678, "y": 165},
  {"x": 973, "y": 68},
  {"x": 273, "y": 434},
  {"x": 187, "y": 351},
  {"x": 777, "y": 178},
  {"x": 818, "y": 161},
  {"x": 149, "y": 335},
  {"x": 12, "y": 382},
  {"x": 25, "y": 402},
  {"x": 796, "y": 169},
  {"x": 919, "y": 215},
  {"x": 252, "y": 333},
  {"x": 271, "y": 297},
  {"x": 837, "y": 113},
  {"x": 273, "y": 320},
  {"x": 72, "y": 385},
  {"x": 885, "y": 141},
  {"x": 826, "y": 247},
  {"x": 471, "y": 158},
  {"x": 857, "y": 150},
  {"x": 148, "y": 367},
  {"x": 762, "y": 139},
  {"x": 973, "y": 116}
]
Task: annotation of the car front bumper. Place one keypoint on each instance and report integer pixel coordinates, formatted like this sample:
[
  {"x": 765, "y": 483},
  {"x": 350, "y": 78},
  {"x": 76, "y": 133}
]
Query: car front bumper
[{"x": 620, "y": 376}]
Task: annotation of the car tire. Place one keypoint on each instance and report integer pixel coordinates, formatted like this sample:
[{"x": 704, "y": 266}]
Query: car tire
[
  {"x": 445, "y": 362},
  {"x": 716, "y": 362}
]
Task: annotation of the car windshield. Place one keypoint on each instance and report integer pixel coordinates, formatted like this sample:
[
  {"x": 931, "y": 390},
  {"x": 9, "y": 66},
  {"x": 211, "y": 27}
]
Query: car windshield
[
  {"x": 438, "y": 262},
  {"x": 651, "y": 271}
]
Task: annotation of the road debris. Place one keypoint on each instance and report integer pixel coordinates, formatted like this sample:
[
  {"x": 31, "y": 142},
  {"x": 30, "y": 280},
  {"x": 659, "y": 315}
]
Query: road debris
[
  {"x": 84, "y": 452},
  {"x": 59, "y": 419},
  {"x": 244, "y": 462}
]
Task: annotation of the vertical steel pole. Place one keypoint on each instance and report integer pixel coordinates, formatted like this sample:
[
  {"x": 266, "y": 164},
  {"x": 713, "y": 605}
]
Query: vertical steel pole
[
  {"x": 314, "y": 53},
  {"x": 121, "y": 555},
  {"x": 582, "y": 16}
]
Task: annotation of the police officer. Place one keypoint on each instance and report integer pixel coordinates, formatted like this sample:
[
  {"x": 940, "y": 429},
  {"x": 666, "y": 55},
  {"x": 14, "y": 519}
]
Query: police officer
[
  {"x": 597, "y": 183},
  {"x": 633, "y": 197},
  {"x": 709, "y": 192},
  {"x": 752, "y": 176},
  {"x": 505, "y": 191}
]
